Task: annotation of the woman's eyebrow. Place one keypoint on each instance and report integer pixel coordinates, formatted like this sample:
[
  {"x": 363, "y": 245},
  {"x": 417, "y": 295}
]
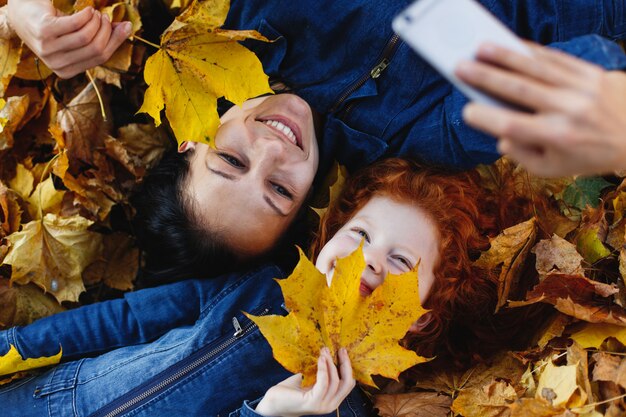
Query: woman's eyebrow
[
  {"x": 223, "y": 174},
  {"x": 274, "y": 206}
]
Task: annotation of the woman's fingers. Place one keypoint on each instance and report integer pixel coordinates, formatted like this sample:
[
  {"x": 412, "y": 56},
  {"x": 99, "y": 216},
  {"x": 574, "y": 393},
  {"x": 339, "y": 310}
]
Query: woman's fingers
[
  {"x": 81, "y": 37},
  {"x": 61, "y": 25},
  {"x": 566, "y": 63}
]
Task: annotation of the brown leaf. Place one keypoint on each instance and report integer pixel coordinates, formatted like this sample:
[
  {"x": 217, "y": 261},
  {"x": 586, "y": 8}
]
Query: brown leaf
[
  {"x": 592, "y": 234},
  {"x": 554, "y": 329},
  {"x": 118, "y": 265},
  {"x": 10, "y": 50},
  {"x": 145, "y": 142},
  {"x": 22, "y": 304},
  {"x": 509, "y": 249},
  {"x": 577, "y": 296},
  {"x": 491, "y": 400},
  {"x": 82, "y": 124},
  {"x": 52, "y": 253},
  {"x": 30, "y": 68},
  {"x": 415, "y": 404},
  {"x": 534, "y": 407},
  {"x": 557, "y": 255},
  {"x": 10, "y": 211},
  {"x": 609, "y": 368},
  {"x": 577, "y": 356}
]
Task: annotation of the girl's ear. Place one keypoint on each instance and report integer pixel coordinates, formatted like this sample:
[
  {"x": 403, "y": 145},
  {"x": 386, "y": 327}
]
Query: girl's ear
[
  {"x": 185, "y": 146},
  {"x": 421, "y": 323}
]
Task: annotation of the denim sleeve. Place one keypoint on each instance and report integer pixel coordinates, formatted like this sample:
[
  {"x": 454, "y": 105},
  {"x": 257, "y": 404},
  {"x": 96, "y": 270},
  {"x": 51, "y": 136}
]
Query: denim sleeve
[
  {"x": 247, "y": 409},
  {"x": 139, "y": 317}
]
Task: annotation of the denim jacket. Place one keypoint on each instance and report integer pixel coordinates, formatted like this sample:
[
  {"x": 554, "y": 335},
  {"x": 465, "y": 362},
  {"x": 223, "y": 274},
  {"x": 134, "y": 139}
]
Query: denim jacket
[
  {"x": 379, "y": 97},
  {"x": 184, "y": 349}
]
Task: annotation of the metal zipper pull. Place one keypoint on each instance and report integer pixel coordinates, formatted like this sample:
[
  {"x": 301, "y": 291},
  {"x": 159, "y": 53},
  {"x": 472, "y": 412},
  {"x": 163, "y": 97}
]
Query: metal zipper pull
[
  {"x": 378, "y": 69},
  {"x": 238, "y": 328}
]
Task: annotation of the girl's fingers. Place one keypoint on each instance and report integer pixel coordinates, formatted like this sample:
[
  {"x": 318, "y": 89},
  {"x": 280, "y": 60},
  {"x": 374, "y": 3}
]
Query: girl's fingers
[
  {"x": 79, "y": 38},
  {"x": 347, "y": 380},
  {"x": 333, "y": 375},
  {"x": 320, "y": 388},
  {"x": 509, "y": 86},
  {"x": 62, "y": 25}
]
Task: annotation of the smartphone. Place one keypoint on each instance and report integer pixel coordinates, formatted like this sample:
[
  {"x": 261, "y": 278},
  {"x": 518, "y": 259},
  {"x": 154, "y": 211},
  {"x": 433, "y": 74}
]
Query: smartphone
[{"x": 444, "y": 32}]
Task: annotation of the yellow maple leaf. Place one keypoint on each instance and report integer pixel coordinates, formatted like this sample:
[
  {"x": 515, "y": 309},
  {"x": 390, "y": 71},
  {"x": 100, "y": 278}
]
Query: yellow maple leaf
[
  {"x": 338, "y": 316},
  {"x": 13, "y": 362},
  {"x": 196, "y": 64},
  {"x": 10, "y": 51},
  {"x": 592, "y": 335},
  {"x": 52, "y": 253}
]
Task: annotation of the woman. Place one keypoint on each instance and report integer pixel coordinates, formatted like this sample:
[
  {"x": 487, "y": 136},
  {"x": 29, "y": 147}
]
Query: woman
[{"x": 187, "y": 346}]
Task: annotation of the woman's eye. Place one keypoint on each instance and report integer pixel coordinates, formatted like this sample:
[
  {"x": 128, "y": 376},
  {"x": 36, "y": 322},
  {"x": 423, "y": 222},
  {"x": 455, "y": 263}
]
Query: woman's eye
[
  {"x": 231, "y": 160},
  {"x": 282, "y": 191}
]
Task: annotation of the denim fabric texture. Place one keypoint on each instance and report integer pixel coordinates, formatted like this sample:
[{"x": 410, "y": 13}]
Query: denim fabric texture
[
  {"x": 322, "y": 48},
  {"x": 162, "y": 330}
]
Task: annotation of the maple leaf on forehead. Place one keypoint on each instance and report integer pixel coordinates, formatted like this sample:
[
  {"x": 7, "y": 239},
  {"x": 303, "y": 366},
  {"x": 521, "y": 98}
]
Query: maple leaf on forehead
[
  {"x": 338, "y": 316},
  {"x": 196, "y": 64}
]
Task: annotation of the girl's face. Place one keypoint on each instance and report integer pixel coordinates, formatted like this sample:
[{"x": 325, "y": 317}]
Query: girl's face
[
  {"x": 251, "y": 186},
  {"x": 396, "y": 237}
]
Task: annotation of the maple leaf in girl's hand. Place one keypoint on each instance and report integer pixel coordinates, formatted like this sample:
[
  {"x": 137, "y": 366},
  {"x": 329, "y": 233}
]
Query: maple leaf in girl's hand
[
  {"x": 196, "y": 64},
  {"x": 339, "y": 316}
]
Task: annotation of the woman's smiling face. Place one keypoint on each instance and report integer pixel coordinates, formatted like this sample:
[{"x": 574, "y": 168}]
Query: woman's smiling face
[
  {"x": 396, "y": 237},
  {"x": 252, "y": 184}
]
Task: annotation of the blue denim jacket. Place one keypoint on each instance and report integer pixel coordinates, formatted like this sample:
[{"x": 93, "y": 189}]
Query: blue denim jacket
[
  {"x": 184, "y": 349},
  {"x": 325, "y": 51}
]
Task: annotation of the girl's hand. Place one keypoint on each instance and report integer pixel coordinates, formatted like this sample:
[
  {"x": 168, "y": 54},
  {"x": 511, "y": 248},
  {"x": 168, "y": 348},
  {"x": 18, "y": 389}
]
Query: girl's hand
[
  {"x": 68, "y": 45},
  {"x": 577, "y": 119},
  {"x": 289, "y": 399}
]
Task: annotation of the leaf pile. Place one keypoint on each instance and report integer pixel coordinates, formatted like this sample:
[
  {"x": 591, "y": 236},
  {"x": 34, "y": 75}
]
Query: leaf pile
[
  {"x": 71, "y": 151},
  {"x": 569, "y": 254}
]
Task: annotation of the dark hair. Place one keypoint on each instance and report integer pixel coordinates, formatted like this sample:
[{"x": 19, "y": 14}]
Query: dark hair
[{"x": 175, "y": 244}]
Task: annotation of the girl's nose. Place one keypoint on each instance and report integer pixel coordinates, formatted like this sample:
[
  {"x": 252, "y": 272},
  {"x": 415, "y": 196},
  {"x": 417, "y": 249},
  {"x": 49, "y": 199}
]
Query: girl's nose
[{"x": 374, "y": 261}]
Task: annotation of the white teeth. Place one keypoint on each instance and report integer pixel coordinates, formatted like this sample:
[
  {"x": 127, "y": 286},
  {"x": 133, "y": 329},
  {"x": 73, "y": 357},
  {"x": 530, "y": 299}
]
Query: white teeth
[{"x": 284, "y": 128}]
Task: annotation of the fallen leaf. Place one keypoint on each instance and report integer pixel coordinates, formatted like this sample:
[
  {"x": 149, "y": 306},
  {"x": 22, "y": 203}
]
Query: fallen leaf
[
  {"x": 23, "y": 182},
  {"x": 577, "y": 357},
  {"x": 555, "y": 328},
  {"x": 10, "y": 51},
  {"x": 13, "y": 111},
  {"x": 338, "y": 316},
  {"x": 611, "y": 368},
  {"x": 13, "y": 361},
  {"x": 414, "y": 404},
  {"x": 535, "y": 407},
  {"x": 337, "y": 182},
  {"x": 22, "y": 304},
  {"x": 52, "y": 253},
  {"x": 591, "y": 236},
  {"x": 559, "y": 381},
  {"x": 584, "y": 192},
  {"x": 118, "y": 265},
  {"x": 510, "y": 250},
  {"x": 557, "y": 255},
  {"x": 30, "y": 67},
  {"x": 45, "y": 199},
  {"x": 491, "y": 400},
  {"x": 83, "y": 126},
  {"x": 197, "y": 64},
  {"x": 10, "y": 211},
  {"x": 592, "y": 335},
  {"x": 578, "y": 297}
]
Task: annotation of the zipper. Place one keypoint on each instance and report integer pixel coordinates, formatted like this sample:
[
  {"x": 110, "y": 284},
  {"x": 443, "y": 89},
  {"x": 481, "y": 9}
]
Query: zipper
[
  {"x": 181, "y": 369},
  {"x": 383, "y": 62}
]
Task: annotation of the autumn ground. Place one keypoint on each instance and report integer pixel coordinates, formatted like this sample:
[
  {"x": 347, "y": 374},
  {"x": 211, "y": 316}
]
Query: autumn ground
[{"x": 71, "y": 152}]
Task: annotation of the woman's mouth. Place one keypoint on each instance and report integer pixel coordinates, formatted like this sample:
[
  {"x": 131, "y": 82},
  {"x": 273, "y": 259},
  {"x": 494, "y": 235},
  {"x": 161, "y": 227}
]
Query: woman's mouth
[{"x": 285, "y": 128}]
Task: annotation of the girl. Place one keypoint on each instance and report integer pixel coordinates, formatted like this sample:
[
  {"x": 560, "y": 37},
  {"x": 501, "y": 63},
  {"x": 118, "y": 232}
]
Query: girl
[
  {"x": 377, "y": 97},
  {"x": 187, "y": 347}
]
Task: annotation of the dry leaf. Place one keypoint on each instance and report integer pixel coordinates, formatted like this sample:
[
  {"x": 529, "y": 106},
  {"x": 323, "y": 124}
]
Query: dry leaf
[
  {"x": 557, "y": 255},
  {"x": 414, "y": 404},
  {"x": 22, "y": 304},
  {"x": 31, "y": 68},
  {"x": 557, "y": 384},
  {"x": 119, "y": 263},
  {"x": 491, "y": 400},
  {"x": 10, "y": 51},
  {"x": 334, "y": 189},
  {"x": 338, "y": 316},
  {"x": 13, "y": 361},
  {"x": 45, "y": 199},
  {"x": 13, "y": 111},
  {"x": 592, "y": 335},
  {"x": 555, "y": 328},
  {"x": 52, "y": 253},
  {"x": 197, "y": 64},
  {"x": 591, "y": 236},
  {"x": 509, "y": 249},
  {"x": 609, "y": 368},
  {"x": 10, "y": 211},
  {"x": 535, "y": 407}
]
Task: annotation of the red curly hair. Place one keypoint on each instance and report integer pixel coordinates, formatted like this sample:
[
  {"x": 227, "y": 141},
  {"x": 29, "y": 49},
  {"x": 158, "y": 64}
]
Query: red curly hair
[{"x": 452, "y": 203}]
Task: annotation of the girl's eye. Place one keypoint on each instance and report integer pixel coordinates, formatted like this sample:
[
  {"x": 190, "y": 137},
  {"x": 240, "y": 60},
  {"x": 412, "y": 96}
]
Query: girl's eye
[
  {"x": 231, "y": 160},
  {"x": 362, "y": 233},
  {"x": 282, "y": 191},
  {"x": 405, "y": 262}
]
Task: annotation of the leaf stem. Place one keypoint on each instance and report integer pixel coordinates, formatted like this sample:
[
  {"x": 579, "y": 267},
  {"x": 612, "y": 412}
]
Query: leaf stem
[
  {"x": 95, "y": 87},
  {"x": 584, "y": 407},
  {"x": 154, "y": 45}
]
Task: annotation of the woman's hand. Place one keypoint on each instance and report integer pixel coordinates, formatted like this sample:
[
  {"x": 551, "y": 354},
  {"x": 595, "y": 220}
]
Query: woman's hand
[
  {"x": 289, "y": 399},
  {"x": 68, "y": 45},
  {"x": 577, "y": 119}
]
